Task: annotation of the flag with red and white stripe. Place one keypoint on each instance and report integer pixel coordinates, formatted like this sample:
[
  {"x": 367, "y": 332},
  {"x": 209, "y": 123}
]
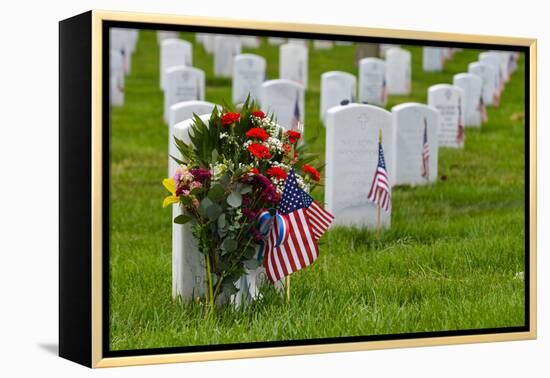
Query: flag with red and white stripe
[
  {"x": 425, "y": 152},
  {"x": 306, "y": 222},
  {"x": 482, "y": 110},
  {"x": 460, "y": 131},
  {"x": 380, "y": 193}
]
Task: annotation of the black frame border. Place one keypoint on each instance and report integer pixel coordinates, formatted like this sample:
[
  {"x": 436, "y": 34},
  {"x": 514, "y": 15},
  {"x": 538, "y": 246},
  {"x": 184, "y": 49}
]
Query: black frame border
[{"x": 106, "y": 129}]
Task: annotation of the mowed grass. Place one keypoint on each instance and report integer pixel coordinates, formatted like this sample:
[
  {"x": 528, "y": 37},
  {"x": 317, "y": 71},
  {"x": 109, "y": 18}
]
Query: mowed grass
[{"x": 448, "y": 262}]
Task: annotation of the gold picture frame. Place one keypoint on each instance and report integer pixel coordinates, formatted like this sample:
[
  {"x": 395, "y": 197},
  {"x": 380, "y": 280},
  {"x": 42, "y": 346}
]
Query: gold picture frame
[{"x": 93, "y": 25}]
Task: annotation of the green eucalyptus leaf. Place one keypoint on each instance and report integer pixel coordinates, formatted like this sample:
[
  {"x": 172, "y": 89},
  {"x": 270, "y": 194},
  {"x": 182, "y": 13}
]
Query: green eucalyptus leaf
[
  {"x": 235, "y": 199},
  {"x": 205, "y": 203},
  {"x": 251, "y": 264},
  {"x": 250, "y": 252},
  {"x": 246, "y": 189},
  {"x": 213, "y": 212},
  {"x": 225, "y": 179},
  {"x": 229, "y": 245},
  {"x": 221, "y": 221},
  {"x": 182, "y": 219},
  {"x": 216, "y": 192},
  {"x": 229, "y": 287}
]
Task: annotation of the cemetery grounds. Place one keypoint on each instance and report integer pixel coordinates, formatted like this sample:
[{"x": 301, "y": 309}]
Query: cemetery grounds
[{"x": 449, "y": 262}]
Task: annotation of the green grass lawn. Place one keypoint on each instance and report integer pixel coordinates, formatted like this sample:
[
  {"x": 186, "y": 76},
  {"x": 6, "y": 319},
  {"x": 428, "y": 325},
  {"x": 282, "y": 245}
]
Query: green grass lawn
[{"x": 447, "y": 263}]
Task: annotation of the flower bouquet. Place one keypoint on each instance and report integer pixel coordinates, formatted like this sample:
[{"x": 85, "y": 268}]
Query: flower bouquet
[{"x": 229, "y": 184}]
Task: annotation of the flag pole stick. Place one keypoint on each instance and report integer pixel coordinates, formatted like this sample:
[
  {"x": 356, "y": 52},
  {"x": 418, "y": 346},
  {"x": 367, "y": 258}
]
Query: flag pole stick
[
  {"x": 378, "y": 221},
  {"x": 378, "y": 207},
  {"x": 287, "y": 284}
]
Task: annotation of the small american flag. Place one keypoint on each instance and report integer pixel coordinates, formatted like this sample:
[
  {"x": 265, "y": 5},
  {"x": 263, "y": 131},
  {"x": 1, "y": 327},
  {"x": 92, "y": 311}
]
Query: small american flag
[
  {"x": 460, "y": 132},
  {"x": 296, "y": 124},
  {"x": 482, "y": 109},
  {"x": 307, "y": 221},
  {"x": 496, "y": 97},
  {"x": 383, "y": 91},
  {"x": 425, "y": 152},
  {"x": 379, "y": 192},
  {"x": 124, "y": 59}
]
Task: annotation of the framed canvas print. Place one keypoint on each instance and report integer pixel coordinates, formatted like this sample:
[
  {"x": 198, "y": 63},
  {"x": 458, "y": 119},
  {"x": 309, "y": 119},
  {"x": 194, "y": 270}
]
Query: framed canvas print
[{"x": 235, "y": 189}]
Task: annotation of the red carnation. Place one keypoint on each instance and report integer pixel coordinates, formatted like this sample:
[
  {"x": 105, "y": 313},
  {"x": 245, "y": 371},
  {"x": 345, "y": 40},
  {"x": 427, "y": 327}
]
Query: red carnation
[
  {"x": 293, "y": 136},
  {"x": 258, "y": 113},
  {"x": 312, "y": 172},
  {"x": 287, "y": 148},
  {"x": 254, "y": 171},
  {"x": 229, "y": 118},
  {"x": 257, "y": 133},
  {"x": 259, "y": 150},
  {"x": 277, "y": 172}
]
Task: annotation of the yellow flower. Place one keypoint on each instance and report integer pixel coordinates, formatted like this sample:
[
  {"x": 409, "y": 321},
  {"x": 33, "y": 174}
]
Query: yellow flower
[{"x": 170, "y": 184}]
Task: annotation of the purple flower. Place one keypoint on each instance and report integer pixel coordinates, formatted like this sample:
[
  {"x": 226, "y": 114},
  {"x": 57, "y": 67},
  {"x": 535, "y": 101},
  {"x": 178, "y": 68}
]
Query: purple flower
[
  {"x": 201, "y": 174},
  {"x": 269, "y": 193},
  {"x": 250, "y": 214}
]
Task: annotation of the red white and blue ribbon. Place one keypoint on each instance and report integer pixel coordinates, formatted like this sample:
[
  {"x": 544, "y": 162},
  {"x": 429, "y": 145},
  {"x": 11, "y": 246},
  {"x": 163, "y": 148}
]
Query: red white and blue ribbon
[{"x": 274, "y": 229}]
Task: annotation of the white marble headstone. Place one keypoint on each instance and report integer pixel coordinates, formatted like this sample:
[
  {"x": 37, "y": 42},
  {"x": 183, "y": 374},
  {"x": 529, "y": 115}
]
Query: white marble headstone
[
  {"x": 208, "y": 42},
  {"x": 293, "y": 63},
  {"x": 182, "y": 84},
  {"x": 448, "y": 53},
  {"x": 473, "y": 102},
  {"x": 504, "y": 57},
  {"x": 250, "y": 41},
  {"x": 120, "y": 39},
  {"x": 489, "y": 80},
  {"x": 449, "y": 100},
  {"x": 493, "y": 58},
  {"x": 174, "y": 52},
  {"x": 372, "y": 81},
  {"x": 166, "y": 34},
  {"x": 116, "y": 78},
  {"x": 275, "y": 41},
  {"x": 319, "y": 44},
  {"x": 384, "y": 47},
  {"x": 188, "y": 265},
  {"x": 133, "y": 35},
  {"x": 398, "y": 71},
  {"x": 351, "y": 161},
  {"x": 298, "y": 41},
  {"x": 412, "y": 165},
  {"x": 248, "y": 76},
  {"x": 279, "y": 97},
  {"x": 432, "y": 59},
  {"x": 336, "y": 86},
  {"x": 180, "y": 112},
  {"x": 226, "y": 47}
]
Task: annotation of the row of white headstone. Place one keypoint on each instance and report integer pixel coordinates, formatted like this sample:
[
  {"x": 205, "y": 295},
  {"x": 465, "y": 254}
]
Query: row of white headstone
[
  {"x": 122, "y": 44},
  {"x": 352, "y": 137},
  {"x": 377, "y": 79},
  {"x": 207, "y": 40},
  {"x": 182, "y": 82},
  {"x": 433, "y": 58}
]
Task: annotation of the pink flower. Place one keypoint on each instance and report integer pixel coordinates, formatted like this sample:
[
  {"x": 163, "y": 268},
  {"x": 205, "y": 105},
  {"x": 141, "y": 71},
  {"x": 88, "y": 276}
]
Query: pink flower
[{"x": 195, "y": 185}]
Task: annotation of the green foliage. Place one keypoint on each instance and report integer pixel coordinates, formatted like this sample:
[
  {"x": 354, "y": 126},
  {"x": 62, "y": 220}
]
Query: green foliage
[{"x": 182, "y": 219}]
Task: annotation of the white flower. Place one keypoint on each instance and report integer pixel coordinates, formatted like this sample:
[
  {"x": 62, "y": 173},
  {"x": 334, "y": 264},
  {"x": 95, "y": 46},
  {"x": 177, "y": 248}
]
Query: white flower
[
  {"x": 301, "y": 183},
  {"x": 218, "y": 170}
]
